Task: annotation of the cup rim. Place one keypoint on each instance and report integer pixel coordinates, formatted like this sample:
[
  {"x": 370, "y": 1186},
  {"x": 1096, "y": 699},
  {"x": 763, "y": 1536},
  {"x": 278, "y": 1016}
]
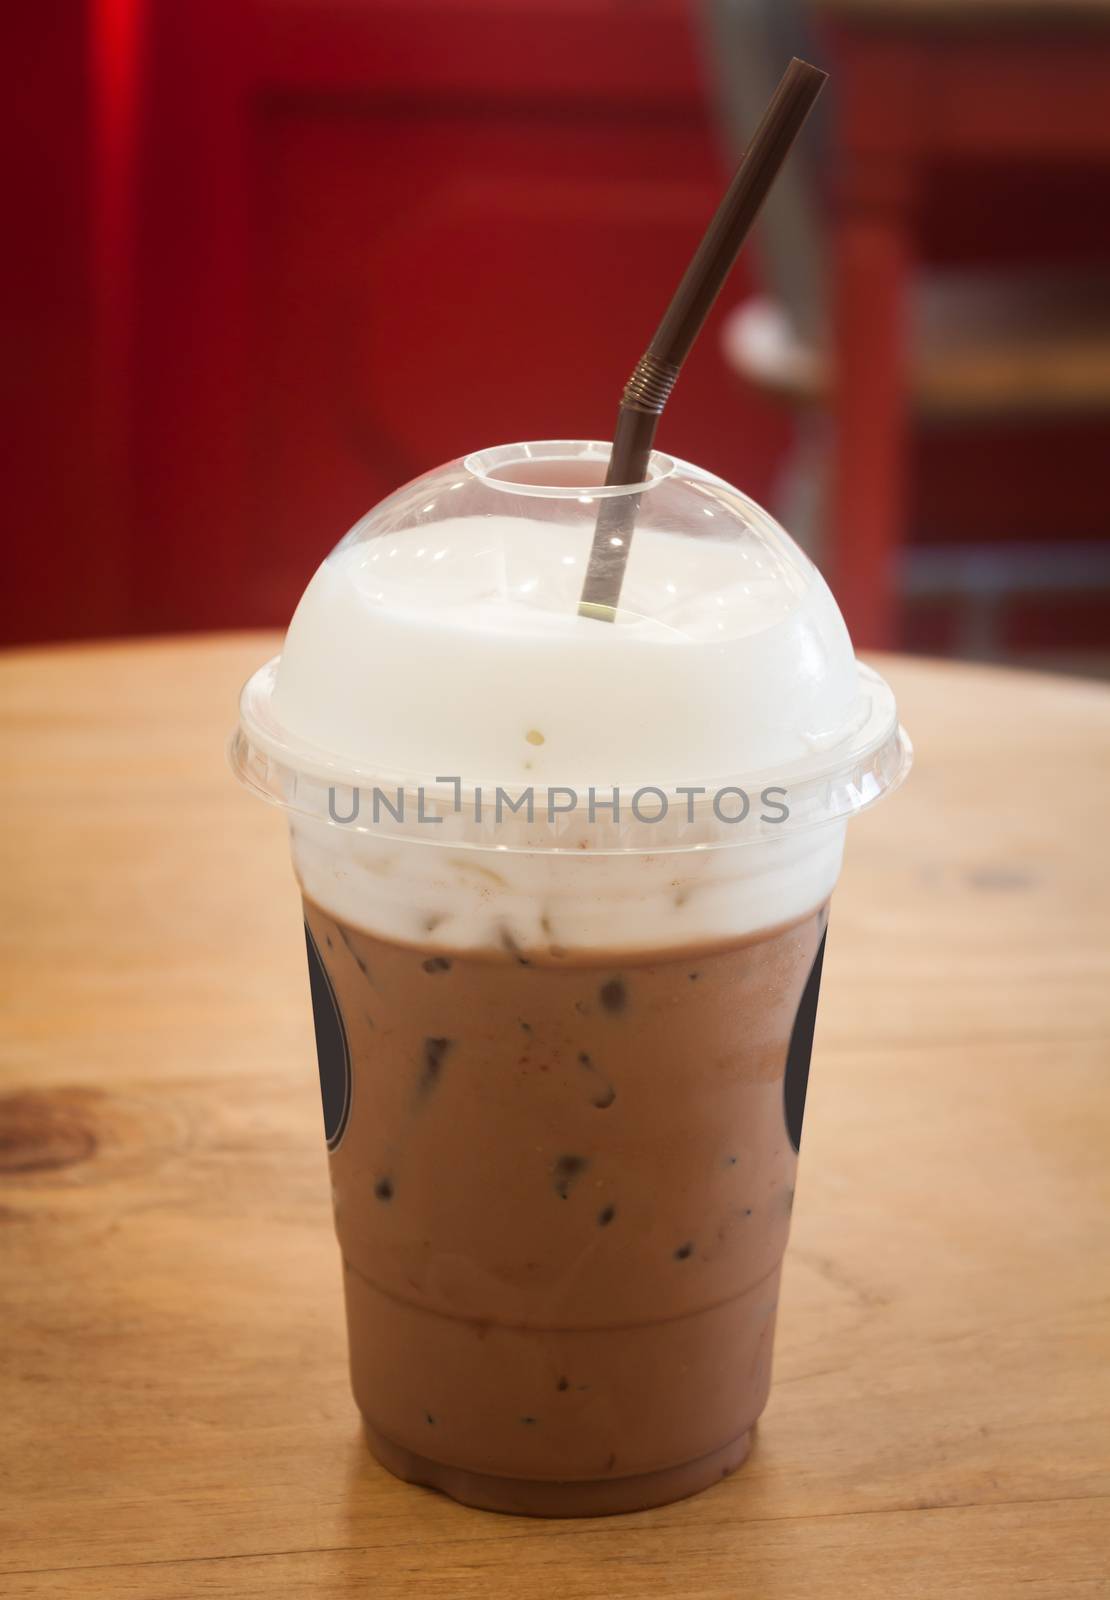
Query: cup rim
[
  {"x": 825, "y": 789},
  {"x": 485, "y": 464}
]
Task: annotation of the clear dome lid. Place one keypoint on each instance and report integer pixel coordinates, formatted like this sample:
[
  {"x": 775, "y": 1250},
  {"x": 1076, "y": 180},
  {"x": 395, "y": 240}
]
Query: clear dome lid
[{"x": 439, "y": 649}]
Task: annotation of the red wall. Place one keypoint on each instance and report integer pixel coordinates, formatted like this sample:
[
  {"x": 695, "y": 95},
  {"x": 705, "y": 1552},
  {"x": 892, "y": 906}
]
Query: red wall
[
  {"x": 278, "y": 257},
  {"x": 267, "y": 259}
]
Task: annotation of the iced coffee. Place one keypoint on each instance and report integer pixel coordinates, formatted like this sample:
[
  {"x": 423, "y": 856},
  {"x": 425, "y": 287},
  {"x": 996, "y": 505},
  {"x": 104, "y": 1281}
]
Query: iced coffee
[{"x": 566, "y": 888}]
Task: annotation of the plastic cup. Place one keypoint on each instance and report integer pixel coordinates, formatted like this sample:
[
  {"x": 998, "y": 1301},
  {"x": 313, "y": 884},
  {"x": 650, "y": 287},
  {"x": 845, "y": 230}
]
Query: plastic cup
[{"x": 566, "y": 888}]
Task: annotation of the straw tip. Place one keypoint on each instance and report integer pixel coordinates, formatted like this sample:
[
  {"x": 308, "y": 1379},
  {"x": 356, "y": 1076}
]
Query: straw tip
[
  {"x": 806, "y": 70},
  {"x": 599, "y": 610}
]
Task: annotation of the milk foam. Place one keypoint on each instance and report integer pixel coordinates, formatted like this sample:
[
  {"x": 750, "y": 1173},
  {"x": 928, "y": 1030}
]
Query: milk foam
[
  {"x": 455, "y": 648},
  {"x": 448, "y": 649},
  {"x": 474, "y": 900}
]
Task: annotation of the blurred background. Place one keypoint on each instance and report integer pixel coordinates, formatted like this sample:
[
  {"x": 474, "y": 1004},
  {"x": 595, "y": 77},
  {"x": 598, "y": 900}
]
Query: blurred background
[{"x": 268, "y": 259}]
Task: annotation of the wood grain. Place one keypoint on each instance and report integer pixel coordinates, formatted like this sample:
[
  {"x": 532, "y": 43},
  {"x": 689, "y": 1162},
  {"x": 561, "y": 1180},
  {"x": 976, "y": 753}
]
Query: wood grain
[{"x": 172, "y": 1366}]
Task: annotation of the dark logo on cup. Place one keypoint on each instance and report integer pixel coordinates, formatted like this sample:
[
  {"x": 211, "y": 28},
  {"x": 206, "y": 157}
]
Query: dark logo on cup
[
  {"x": 332, "y": 1050},
  {"x": 796, "y": 1081}
]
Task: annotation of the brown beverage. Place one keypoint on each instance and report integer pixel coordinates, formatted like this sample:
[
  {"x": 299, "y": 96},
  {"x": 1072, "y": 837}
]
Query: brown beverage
[
  {"x": 565, "y": 881},
  {"x": 562, "y": 1192}
]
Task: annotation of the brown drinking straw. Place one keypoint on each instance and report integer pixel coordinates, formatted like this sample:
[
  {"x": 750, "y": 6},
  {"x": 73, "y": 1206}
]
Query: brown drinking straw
[{"x": 645, "y": 393}]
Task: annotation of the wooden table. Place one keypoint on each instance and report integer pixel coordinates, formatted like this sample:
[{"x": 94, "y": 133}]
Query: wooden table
[
  {"x": 176, "y": 1420},
  {"x": 922, "y": 86}
]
